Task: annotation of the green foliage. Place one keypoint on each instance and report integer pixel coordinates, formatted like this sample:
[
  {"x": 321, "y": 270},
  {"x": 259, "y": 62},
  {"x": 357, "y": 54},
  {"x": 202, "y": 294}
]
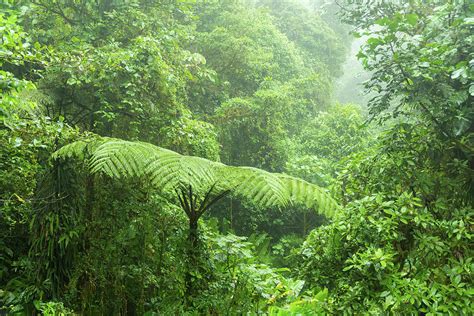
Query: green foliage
[
  {"x": 263, "y": 134},
  {"x": 334, "y": 134},
  {"x": 408, "y": 157},
  {"x": 242, "y": 282},
  {"x": 285, "y": 251},
  {"x": 246, "y": 84},
  {"x": 325, "y": 143},
  {"x": 245, "y": 48},
  {"x": 420, "y": 56},
  {"x": 27, "y": 140},
  {"x": 312, "y": 168},
  {"x": 52, "y": 309},
  {"x": 155, "y": 72},
  {"x": 114, "y": 80},
  {"x": 268, "y": 120},
  {"x": 393, "y": 255},
  {"x": 305, "y": 306},
  {"x": 192, "y": 137},
  {"x": 168, "y": 171},
  {"x": 139, "y": 264},
  {"x": 321, "y": 46},
  {"x": 402, "y": 244},
  {"x": 15, "y": 52}
]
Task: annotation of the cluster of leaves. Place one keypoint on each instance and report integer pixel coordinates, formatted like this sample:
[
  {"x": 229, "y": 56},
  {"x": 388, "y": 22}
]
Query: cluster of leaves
[
  {"x": 394, "y": 255},
  {"x": 248, "y": 84},
  {"x": 423, "y": 55},
  {"x": 114, "y": 68},
  {"x": 242, "y": 282},
  {"x": 27, "y": 140},
  {"x": 322, "y": 46},
  {"x": 162, "y": 73},
  {"x": 326, "y": 141},
  {"x": 267, "y": 120},
  {"x": 403, "y": 242}
]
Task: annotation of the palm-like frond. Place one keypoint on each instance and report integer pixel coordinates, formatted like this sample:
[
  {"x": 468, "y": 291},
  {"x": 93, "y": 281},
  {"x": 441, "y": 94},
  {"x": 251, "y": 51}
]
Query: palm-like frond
[
  {"x": 260, "y": 187},
  {"x": 73, "y": 150},
  {"x": 310, "y": 195},
  {"x": 81, "y": 149},
  {"x": 169, "y": 171},
  {"x": 164, "y": 168}
]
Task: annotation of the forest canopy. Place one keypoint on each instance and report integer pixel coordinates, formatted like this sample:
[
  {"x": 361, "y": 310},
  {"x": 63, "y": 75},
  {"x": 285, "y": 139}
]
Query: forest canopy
[{"x": 193, "y": 157}]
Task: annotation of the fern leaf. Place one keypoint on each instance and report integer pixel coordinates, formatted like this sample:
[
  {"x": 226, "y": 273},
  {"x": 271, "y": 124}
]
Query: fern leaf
[
  {"x": 169, "y": 171},
  {"x": 260, "y": 187},
  {"x": 310, "y": 195}
]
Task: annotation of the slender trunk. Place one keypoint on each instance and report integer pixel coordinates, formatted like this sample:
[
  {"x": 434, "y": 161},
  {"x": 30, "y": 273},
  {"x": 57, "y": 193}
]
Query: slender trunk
[
  {"x": 189, "y": 203},
  {"x": 193, "y": 232},
  {"x": 192, "y": 254}
]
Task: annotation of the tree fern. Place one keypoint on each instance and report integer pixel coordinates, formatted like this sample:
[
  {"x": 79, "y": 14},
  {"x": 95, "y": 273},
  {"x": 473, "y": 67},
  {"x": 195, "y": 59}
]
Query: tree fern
[
  {"x": 198, "y": 183},
  {"x": 169, "y": 171}
]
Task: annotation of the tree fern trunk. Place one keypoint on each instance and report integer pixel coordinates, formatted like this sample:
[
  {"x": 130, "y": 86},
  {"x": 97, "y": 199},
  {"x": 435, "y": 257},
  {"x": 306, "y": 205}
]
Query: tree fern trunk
[
  {"x": 193, "y": 232},
  {"x": 192, "y": 257}
]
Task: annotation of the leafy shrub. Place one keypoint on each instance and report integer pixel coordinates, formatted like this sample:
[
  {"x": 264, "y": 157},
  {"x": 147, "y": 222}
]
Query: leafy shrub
[{"x": 393, "y": 255}]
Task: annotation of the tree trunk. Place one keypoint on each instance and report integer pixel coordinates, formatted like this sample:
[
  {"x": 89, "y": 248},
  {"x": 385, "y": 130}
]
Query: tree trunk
[
  {"x": 193, "y": 258},
  {"x": 193, "y": 232}
]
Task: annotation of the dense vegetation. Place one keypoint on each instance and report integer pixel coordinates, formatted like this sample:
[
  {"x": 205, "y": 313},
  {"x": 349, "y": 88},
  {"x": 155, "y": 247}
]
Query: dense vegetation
[{"x": 190, "y": 157}]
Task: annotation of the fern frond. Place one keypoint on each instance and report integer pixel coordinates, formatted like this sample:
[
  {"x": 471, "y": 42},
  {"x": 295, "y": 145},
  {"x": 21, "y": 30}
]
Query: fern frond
[
  {"x": 81, "y": 149},
  {"x": 169, "y": 171},
  {"x": 261, "y": 187},
  {"x": 121, "y": 159},
  {"x": 310, "y": 195},
  {"x": 164, "y": 168}
]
